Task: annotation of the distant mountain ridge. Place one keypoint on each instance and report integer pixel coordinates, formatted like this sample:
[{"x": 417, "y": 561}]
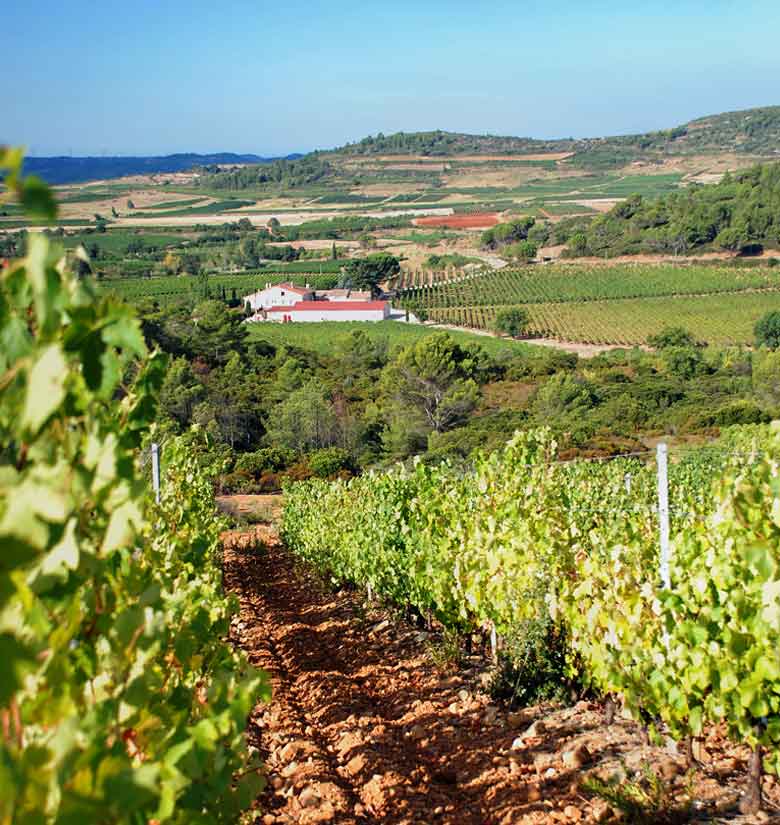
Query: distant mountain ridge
[{"x": 65, "y": 169}]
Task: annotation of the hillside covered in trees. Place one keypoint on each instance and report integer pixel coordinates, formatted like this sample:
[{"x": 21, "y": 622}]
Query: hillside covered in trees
[
  {"x": 284, "y": 173},
  {"x": 741, "y": 213},
  {"x": 751, "y": 131},
  {"x": 443, "y": 143}
]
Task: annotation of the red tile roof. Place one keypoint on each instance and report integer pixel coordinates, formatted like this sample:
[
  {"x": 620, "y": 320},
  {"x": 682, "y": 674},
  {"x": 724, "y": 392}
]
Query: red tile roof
[{"x": 307, "y": 306}]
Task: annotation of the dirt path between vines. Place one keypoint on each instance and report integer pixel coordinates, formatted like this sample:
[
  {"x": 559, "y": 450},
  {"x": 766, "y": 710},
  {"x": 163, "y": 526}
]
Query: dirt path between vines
[{"x": 364, "y": 728}]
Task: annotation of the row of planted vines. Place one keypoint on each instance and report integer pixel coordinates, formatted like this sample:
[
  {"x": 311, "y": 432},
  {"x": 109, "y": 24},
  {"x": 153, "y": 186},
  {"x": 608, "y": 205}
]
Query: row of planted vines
[
  {"x": 523, "y": 536},
  {"x": 723, "y": 319},
  {"x": 121, "y": 699}
]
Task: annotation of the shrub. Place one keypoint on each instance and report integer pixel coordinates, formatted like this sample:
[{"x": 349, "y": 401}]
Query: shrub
[
  {"x": 767, "y": 330},
  {"x": 522, "y": 250},
  {"x": 269, "y": 459},
  {"x": 236, "y": 482},
  {"x": 683, "y": 362},
  {"x": 330, "y": 461},
  {"x": 737, "y": 412},
  {"x": 512, "y": 321},
  {"x": 672, "y": 337},
  {"x": 532, "y": 664}
]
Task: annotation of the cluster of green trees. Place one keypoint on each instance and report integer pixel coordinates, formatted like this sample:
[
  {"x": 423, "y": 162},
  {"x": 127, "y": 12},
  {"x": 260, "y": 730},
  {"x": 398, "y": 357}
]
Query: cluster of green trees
[
  {"x": 512, "y": 239},
  {"x": 269, "y": 412},
  {"x": 741, "y": 214},
  {"x": 345, "y": 226},
  {"x": 447, "y": 143},
  {"x": 450, "y": 260},
  {"x": 280, "y": 174},
  {"x": 369, "y": 272}
]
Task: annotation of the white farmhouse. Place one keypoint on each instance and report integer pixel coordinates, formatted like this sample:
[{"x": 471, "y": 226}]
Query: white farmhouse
[
  {"x": 278, "y": 295},
  {"x": 314, "y": 311}
]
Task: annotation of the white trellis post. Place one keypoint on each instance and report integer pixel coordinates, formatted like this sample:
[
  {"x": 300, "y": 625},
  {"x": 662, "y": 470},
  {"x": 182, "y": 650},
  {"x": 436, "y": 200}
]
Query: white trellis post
[
  {"x": 156, "y": 471},
  {"x": 663, "y": 512}
]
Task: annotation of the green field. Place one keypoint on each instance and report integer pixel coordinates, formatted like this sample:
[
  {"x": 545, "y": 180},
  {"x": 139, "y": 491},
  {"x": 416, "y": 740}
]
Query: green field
[
  {"x": 325, "y": 266},
  {"x": 87, "y": 196},
  {"x": 209, "y": 209},
  {"x": 173, "y": 204},
  {"x": 320, "y": 337},
  {"x": 115, "y": 241},
  {"x": 722, "y": 319},
  {"x": 174, "y": 287},
  {"x": 568, "y": 208},
  {"x": 15, "y": 223}
]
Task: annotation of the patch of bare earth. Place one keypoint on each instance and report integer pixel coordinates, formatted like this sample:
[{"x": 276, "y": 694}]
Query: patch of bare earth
[
  {"x": 285, "y": 218},
  {"x": 364, "y": 728},
  {"x": 268, "y": 505}
]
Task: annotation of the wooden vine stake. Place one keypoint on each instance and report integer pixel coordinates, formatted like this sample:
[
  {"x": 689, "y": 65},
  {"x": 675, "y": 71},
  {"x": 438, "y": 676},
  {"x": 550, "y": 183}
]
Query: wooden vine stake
[
  {"x": 610, "y": 709},
  {"x": 751, "y": 800}
]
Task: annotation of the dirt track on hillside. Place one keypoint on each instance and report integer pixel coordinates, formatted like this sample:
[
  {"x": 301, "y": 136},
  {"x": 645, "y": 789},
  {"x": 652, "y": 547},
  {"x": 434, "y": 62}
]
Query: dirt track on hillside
[{"x": 364, "y": 728}]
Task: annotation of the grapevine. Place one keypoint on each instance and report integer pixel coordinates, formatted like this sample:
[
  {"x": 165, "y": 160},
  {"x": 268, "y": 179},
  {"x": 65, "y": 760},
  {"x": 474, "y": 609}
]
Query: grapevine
[{"x": 121, "y": 700}]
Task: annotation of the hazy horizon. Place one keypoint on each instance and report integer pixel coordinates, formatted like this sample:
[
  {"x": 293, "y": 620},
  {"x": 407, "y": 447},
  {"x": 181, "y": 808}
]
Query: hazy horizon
[{"x": 260, "y": 79}]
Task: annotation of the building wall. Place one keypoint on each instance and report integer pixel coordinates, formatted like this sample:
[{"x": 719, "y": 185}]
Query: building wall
[
  {"x": 275, "y": 296},
  {"x": 330, "y": 315}
]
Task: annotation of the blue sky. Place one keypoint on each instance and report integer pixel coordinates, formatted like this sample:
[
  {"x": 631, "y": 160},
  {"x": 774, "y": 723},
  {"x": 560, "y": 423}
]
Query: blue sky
[{"x": 164, "y": 76}]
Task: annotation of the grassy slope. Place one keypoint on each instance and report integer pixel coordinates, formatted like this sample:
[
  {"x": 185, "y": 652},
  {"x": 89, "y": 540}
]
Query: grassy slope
[{"x": 320, "y": 337}]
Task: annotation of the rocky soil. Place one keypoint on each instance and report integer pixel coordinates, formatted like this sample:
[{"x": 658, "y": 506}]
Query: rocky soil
[{"x": 366, "y": 727}]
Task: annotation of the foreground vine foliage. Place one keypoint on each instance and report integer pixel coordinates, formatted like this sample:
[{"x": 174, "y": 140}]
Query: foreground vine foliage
[
  {"x": 523, "y": 535},
  {"x": 121, "y": 700}
]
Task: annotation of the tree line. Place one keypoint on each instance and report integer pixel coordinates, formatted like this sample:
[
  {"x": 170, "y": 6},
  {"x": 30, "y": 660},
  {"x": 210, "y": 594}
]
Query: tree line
[
  {"x": 740, "y": 214},
  {"x": 268, "y": 411}
]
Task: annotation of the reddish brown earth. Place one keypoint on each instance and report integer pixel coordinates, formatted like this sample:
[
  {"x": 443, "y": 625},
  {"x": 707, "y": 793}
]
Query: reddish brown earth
[
  {"x": 479, "y": 221},
  {"x": 365, "y": 728}
]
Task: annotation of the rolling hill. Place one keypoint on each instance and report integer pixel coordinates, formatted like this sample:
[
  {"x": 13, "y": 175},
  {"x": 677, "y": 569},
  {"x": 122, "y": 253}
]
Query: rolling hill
[{"x": 751, "y": 131}]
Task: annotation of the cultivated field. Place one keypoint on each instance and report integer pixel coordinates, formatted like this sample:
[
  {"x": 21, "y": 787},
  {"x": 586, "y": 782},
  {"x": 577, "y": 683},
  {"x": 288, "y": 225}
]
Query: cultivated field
[{"x": 574, "y": 282}]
